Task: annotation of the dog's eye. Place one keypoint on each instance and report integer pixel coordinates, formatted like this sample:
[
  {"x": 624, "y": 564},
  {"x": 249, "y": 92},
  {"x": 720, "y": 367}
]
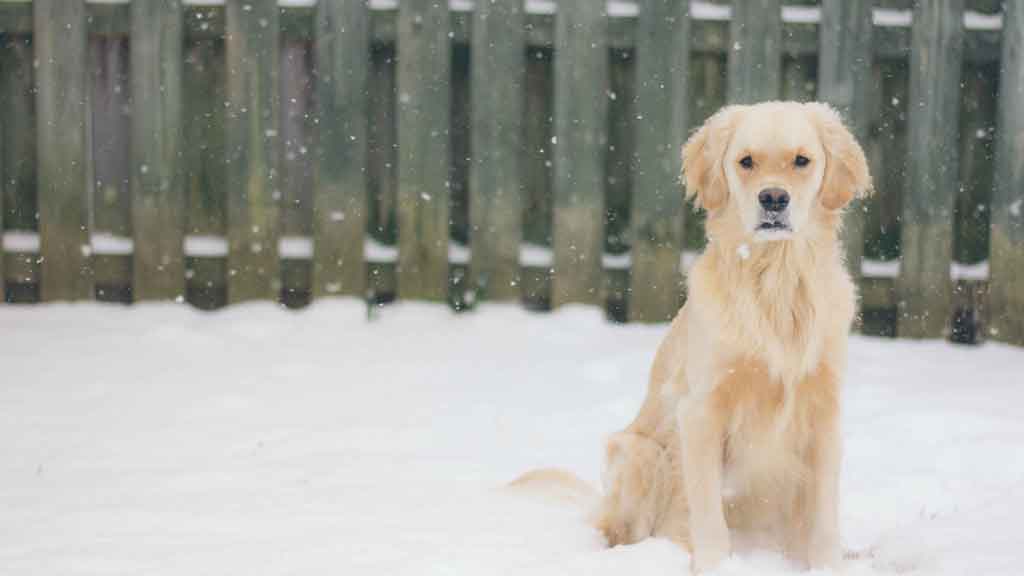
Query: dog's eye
[
  {"x": 801, "y": 161},
  {"x": 747, "y": 162}
]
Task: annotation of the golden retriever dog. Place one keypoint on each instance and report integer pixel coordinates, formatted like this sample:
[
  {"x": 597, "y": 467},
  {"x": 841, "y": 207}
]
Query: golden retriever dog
[{"x": 738, "y": 438}]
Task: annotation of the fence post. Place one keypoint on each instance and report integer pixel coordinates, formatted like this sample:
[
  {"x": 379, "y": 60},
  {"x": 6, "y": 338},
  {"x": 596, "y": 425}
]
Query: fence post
[
  {"x": 158, "y": 201},
  {"x": 936, "y": 54},
  {"x": 581, "y": 104},
  {"x": 59, "y": 36},
  {"x": 424, "y": 66},
  {"x": 662, "y": 92},
  {"x": 1006, "y": 287},
  {"x": 498, "y": 69},
  {"x": 844, "y": 80},
  {"x": 339, "y": 213},
  {"x": 755, "y": 51},
  {"x": 252, "y": 126}
]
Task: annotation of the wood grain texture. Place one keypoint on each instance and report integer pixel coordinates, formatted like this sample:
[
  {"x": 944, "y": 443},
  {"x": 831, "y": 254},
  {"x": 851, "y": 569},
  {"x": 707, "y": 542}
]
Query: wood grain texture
[
  {"x": 61, "y": 128},
  {"x": 253, "y": 149},
  {"x": 662, "y": 73},
  {"x": 1006, "y": 289},
  {"x": 204, "y": 90},
  {"x": 755, "y": 54},
  {"x": 340, "y": 209},
  {"x": 844, "y": 81},
  {"x": 424, "y": 65},
  {"x": 924, "y": 287},
  {"x": 498, "y": 84},
  {"x": 158, "y": 199},
  {"x": 581, "y": 104}
]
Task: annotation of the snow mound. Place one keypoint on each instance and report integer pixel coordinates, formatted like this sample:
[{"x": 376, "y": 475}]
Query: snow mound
[{"x": 158, "y": 439}]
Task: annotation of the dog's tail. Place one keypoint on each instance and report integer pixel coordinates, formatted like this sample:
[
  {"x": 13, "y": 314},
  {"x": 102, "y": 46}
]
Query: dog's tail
[{"x": 557, "y": 484}]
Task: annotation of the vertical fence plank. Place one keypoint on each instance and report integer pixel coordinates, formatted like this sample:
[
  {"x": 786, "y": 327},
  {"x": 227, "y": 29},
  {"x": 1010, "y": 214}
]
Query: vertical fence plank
[
  {"x": 296, "y": 180},
  {"x": 18, "y": 184},
  {"x": 424, "y": 66},
  {"x": 252, "y": 125},
  {"x": 205, "y": 92},
  {"x": 755, "y": 54},
  {"x": 61, "y": 105},
  {"x": 158, "y": 204},
  {"x": 110, "y": 94},
  {"x": 1006, "y": 289},
  {"x": 537, "y": 172},
  {"x": 933, "y": 173},
  {"x": 844, "y": 80},
  {"x": 662, "y": 53},
  {"x": 581, "y": 83},
  {"x": 498, "y": 82},
  {"x": 339, "y": 216},
  {"x": 382, "y": 176}
]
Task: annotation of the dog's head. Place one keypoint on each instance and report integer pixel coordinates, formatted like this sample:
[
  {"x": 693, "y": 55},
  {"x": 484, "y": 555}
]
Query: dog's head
[{"x": 774, "y": 167}]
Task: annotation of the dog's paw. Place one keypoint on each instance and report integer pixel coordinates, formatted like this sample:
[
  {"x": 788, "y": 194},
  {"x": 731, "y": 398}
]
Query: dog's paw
[
  {"x": 709, "y": 551},
  {"x": 823, "y": 551}
]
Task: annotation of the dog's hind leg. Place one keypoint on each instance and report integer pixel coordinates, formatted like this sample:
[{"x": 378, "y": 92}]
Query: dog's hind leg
[{"x": 635, "y": 488}]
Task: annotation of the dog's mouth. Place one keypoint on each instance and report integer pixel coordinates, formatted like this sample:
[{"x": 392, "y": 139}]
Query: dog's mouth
[{"x": 774, "y": 225}]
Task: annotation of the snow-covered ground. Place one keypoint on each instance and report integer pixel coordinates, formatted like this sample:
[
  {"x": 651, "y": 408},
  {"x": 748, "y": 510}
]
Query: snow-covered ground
[{"x": 161, "y": 440}]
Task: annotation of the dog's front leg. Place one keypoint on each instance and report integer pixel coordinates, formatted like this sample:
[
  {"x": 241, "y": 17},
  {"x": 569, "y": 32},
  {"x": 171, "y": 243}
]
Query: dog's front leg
[
  {"x": 823, "y": 493},
  {"x": 702, "y": 440}
]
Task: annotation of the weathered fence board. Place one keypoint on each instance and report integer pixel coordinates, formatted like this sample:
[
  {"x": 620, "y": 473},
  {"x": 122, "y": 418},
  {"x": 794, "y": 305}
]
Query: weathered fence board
[
  {"x": 581, "y": 104},
  {"x": 18, "y": 168},
  {"x": 59, "y": 37},
  {"x": 538, "y": 175},
  {"x": 844, "y": 80},
  {"x": 110, "y": 94},
  {"x": 297, "y": 170},
  {"x": 755, "y": 54},
  {"x": 253, "y": 124},
  {"x": 158, "y": 205},
  {"x": 382, "y": 176},
  {"x": 498, "y": 85},
  {"x": 424, "y": 64},
  {"x": 205, "y": 92},
  {"x": 1006, "y": 291},
  {"x": 933, "y": 169},
  {"x": 340, "y": 212},
  {"x": 662, "y": 72}
]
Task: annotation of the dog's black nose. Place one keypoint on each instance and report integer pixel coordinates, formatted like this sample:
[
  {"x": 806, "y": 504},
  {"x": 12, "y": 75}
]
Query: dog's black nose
[{"x": 773, "y": 199}]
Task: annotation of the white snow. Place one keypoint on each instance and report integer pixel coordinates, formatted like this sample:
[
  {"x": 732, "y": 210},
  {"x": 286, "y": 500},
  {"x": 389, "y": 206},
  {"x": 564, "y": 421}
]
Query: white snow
[
  {"x": 110, "y": 244},
  {"x": 295, "y": 247},
  {"x": 891, "y": 269},
  {"x": 458, "y": 253},
  {"x": 535, "y": 256},
  {"x": 889, "y": 17},
  {"x": 880, "y": 268},
  {"x": 377, "y": 252},
  {"x": 157, "y": 439},
  {"x": 743, "y": 251},
  {"x": 963, "y": 271},
  {"x": 206, "y": 246},
  {"x": 21, "y": 241},
  {"x": 620, "y": 261}
]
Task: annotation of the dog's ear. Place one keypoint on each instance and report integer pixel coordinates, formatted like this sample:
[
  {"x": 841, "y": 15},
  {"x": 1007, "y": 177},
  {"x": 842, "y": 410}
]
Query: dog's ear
[
  {"x": 703, "y": 173},
  {"x": 846, "y": 169}
]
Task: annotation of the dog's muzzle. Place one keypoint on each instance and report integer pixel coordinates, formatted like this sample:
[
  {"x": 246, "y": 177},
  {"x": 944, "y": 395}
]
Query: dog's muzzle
[{"x": 774, "y": 214}]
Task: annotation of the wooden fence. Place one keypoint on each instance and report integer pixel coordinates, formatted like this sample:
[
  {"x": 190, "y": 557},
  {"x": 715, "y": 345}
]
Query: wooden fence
[{"x": 508, "y": 150}]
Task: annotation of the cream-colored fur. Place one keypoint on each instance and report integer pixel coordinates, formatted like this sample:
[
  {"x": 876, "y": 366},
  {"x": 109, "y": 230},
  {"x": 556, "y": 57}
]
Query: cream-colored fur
[{"x": 739, "y": 433}]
